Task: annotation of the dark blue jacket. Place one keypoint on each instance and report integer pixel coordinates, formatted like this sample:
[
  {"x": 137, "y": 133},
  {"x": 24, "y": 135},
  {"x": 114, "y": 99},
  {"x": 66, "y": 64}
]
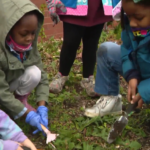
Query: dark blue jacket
[{"x": 135, "y": 56}]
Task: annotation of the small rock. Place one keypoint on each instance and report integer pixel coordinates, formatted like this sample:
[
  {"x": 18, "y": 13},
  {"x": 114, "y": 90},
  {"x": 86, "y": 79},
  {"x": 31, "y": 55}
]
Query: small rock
[{"x": 118, "y": 146}]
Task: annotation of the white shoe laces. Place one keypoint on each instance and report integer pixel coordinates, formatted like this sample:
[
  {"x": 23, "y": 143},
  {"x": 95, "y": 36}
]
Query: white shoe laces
[
  {"x": 101, "y": 102},
  {"x": 56, "y": 78},
  {"x": 104, "y": 99},
  {"x": 89, "y": 81},
  {"x": 92, "y": 80},
  {"x": 59, "y": 79}
]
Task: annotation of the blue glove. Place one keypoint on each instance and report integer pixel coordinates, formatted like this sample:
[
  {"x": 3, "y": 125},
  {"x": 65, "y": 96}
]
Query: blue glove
[
  {"x": 43, "y": 112},
  {"x": 34, "y": 120}
]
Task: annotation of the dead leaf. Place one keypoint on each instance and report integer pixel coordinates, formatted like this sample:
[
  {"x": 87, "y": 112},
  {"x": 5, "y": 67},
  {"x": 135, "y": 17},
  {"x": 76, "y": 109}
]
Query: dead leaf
[
  {"x": 48, "y": 55},
  {"x": 79, "y": 55}
]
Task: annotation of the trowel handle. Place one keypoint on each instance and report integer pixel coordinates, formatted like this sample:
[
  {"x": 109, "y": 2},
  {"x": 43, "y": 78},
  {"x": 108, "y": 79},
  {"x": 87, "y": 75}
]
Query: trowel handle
[
  {"x": 131, "y": 108},
  {"x": 43, "y": 127}
]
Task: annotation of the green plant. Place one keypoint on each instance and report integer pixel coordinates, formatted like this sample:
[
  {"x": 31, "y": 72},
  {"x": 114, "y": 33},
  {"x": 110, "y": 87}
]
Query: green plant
[
  {"x": 66, "y": 118},
  {"x": 118, "y": 30}
]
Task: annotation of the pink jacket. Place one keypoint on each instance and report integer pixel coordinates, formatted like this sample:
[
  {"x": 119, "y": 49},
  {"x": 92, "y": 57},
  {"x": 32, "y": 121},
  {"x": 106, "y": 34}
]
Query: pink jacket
[{"x": 94, "y": 15}]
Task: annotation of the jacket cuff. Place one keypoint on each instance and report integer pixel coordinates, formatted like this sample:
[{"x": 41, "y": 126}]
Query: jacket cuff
[
  {"x": 42, "y": 98},
  {"x": 21, "y": 113},
  {"x": 132, "y": 74}
]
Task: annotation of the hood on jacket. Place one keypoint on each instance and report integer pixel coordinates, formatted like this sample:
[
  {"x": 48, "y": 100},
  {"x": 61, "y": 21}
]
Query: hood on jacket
[{"x": 12, "y": 11}]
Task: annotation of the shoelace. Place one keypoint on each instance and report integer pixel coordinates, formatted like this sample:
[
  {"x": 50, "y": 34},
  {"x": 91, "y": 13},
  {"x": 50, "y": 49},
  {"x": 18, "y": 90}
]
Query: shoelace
[
  {"x": 90, "y": 81},
  {"x": 56, "y": 77},
  {"x": 101, "y": 102}
]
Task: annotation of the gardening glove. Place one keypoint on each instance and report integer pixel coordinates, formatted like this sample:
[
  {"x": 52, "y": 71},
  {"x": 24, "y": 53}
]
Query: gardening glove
[
  {"x": 34, "y": 120},
  {"x": 53, "y": 5},
  {"x": 43, "y": 112}
]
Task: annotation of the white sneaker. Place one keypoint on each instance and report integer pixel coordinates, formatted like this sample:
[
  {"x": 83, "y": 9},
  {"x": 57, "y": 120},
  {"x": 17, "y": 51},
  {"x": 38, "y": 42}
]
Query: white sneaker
[
  {"x": 57, "y": 83},
  {"x": 106, "y": 105}
]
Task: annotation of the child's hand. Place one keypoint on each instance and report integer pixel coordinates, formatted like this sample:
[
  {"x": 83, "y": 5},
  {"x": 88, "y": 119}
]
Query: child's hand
[
  {"x": 53, "y": 5},
  {"x": 132, "y": 89},
  {"x": 34, "y": 120},
  {"x": 138, "y": 99},
  {"x": 29, "y": 144},
  {"x": 43, "y": 112}
]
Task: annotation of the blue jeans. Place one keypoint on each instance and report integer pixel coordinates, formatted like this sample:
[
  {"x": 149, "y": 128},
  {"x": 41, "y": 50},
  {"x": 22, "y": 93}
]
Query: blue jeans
[{"x": 109, "y": 66}]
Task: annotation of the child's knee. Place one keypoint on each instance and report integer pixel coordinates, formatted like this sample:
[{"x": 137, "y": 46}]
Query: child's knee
[
  {"x": 107, "y": 49},
  {"x": 34, "y": 74},
  {"x": 103, "y": 49}
]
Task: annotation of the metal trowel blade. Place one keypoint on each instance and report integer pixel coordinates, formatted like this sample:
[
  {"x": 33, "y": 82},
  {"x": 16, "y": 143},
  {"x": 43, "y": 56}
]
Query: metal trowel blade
[{"x": 117, "y": 128}]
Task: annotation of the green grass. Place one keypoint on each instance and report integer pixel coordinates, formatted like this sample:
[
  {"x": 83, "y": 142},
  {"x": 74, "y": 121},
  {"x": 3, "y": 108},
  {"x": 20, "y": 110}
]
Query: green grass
[{"x": 77, "y": 132}]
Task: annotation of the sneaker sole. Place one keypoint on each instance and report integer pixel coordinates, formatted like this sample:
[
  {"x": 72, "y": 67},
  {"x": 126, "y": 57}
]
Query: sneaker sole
[
  {"x": 95, "y": 115},
  {"x": 54, "y": 92}
]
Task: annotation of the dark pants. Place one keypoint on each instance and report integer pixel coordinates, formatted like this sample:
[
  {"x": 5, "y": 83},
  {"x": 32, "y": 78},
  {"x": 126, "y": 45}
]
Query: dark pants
[{"x": 72, "y": 38}]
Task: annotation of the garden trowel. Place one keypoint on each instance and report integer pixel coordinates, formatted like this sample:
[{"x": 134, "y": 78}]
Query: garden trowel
[
  {"x": 120, "y": 123},
  {"x": 50, "y": 136}
]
